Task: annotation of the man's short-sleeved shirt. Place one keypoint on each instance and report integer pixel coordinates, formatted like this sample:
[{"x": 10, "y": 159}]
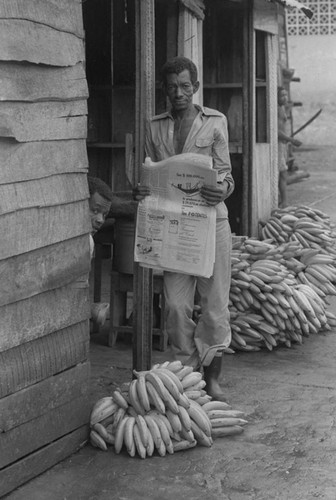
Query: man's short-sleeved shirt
[{"x": 208, "y": 135}]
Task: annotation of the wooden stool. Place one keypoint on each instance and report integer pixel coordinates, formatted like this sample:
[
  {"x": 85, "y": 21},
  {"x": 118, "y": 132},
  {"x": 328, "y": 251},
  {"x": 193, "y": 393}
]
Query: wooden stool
[{"x": 121, "y": 284}]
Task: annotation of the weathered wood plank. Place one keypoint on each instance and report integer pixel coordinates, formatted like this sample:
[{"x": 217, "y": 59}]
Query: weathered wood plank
[
  {"x": 64, "y": 15},
  {"x": 265, "y": 17},
  {"x": 29, "y": 82},
  {"x": 39, "y": 399},
  {"x": 42, "y": 314},
  {"x": 145, "y": 102},
  {"x": 43, "y": 121},
  {"x": 38, "y": 44},
  {"x": 48, "y": 192},
  {"x": 44, "y": 269},
  {"x": 39, "y": 359},
  {"x": 34, "y": 228},
  {"x": 23, "y": 162},
  {"x": 32, "y": 435},
  {"x": 34, "y": 464},
  {"x": 261, "y": 178}
]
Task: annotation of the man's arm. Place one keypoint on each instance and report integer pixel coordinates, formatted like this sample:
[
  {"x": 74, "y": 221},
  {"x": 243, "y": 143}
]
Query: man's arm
[
  {"x": 149, "y": 145},
  {"x": 221, "y": 158},
  {"x": 282, "y": 136},
  {"x": 287, "y": 138},
  {"x": 221, "y": 163},
  {"x": 122, "y": 206}
]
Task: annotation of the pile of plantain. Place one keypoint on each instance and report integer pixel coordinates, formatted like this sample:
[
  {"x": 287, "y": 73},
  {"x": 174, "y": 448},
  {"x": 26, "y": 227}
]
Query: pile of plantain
[
  {"x": 165, "y": 409},
  {"x": 281, "y": 284}
]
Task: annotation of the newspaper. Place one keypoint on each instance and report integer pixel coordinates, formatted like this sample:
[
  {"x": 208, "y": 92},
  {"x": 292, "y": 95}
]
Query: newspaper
[{"x": 175, "y": 228}]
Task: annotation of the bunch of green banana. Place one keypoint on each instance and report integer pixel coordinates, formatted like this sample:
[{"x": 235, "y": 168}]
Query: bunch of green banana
[
  {"x": 102, "y": 414},
  {"x": 224, "y": 421},
  {"x": 160, "y": 409},
  {"x": 267, "y": 295},
  {"x": 275, "y": 230},
  {"x": 283, "y": 322},
  {"x": 319, "y": 272},
  {"x": 298, "y": 248},
  {"x": 305, "y": 225},
  {"x": 250, "y": 332}
]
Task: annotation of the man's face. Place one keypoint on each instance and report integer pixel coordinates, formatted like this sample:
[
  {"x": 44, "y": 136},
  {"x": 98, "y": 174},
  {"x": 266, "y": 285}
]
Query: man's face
[
  {"x": 180, "y": 90},
  {"x": 282, "y": 97},
  {"x": 99, "y": 208}
]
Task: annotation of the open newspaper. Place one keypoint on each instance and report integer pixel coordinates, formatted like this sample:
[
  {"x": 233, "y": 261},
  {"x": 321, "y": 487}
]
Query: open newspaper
[{"x": 176, "y": 229}]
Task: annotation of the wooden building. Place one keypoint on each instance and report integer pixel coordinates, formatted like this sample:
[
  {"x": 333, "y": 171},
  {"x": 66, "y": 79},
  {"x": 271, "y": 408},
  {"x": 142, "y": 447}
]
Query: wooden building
[
  {"x": 48, "y": 142},
  {"x": 44, "y": 251},
  {"x": 235, "y": 46}
]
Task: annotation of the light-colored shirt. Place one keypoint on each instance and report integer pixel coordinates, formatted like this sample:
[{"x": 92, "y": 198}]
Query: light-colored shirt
[
  {"x": 208, "y": 136},
  {"x": 282, "y": 122}
]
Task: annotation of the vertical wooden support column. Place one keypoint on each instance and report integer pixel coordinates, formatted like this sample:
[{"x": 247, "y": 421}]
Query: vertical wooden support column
[
  {"x": 145, "y": 98},
  {"x": 272, "y": 106},
  {"x": 248, "y": 122},
  {"x": 190, "y": 44}
]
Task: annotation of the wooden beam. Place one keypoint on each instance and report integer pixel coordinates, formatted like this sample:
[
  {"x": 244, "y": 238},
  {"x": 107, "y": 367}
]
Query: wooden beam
[
  {"x": 41, "y": 398},
  {"x": 31, "y": 362},
  {"x": 42, "y": 314},
  {"x": 145, "y": 98},
  {"x": 33, "y": 82},
  {"x": 35, "y": 463},
  {"x": 246, "y": 123},
  {"x": 38, "y": 44},
  {"x": 30, "y": 228},
  {"x": 30, "y": 436},
  {"x": 249, "y": 48},
  {"x": 43, "y": 121},
  {"x": 64, "y": 261},
  {"x": 67, "y": 157},
  {"x": 47, "y": 192},
  {"x": 62, "y": 15}
]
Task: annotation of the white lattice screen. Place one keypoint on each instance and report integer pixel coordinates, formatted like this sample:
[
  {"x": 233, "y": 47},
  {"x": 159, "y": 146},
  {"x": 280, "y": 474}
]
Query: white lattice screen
[{"x": 323, "y": 21}]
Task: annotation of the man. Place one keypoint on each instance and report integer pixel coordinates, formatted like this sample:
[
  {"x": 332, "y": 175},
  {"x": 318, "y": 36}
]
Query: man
[
  {"x": 283, "y": 140},
  {"x": 191, "y": 128},
  {"x": 102, "y": 202},
  {"x": 99, "y": 206}
]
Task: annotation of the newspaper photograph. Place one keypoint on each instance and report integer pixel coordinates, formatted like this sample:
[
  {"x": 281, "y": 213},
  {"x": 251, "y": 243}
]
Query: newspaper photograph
[{"x": 175, "y": 228}]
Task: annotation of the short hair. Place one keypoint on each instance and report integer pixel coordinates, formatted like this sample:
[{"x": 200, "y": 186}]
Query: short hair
[
  {"x": 177, "y": 65},
  {"x": 96, "y": 185}
]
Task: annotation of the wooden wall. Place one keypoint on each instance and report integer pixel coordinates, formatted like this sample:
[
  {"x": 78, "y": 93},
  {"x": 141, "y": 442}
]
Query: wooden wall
[
  {"x": 264, "y": 169},
  {"x": 44, "y": 252}
]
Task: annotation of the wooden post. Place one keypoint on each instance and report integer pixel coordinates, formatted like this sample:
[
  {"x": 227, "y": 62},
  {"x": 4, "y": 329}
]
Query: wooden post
[
  {"x": 144, "y": 105},
  {"x": 248, "y": 119},
  {"x": 190, "y": 45}
]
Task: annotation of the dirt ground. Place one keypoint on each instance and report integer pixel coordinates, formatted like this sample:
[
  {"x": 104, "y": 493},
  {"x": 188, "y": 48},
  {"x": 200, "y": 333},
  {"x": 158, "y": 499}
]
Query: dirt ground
[{"x": 288, "y": 448}]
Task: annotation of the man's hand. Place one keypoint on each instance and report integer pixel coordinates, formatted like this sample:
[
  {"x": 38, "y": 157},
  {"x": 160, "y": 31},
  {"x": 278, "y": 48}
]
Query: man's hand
[
  {"x": 140, "y": 192},
  {"x": 214, "y": 194},
  {"x": 296, "y": 142}
]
